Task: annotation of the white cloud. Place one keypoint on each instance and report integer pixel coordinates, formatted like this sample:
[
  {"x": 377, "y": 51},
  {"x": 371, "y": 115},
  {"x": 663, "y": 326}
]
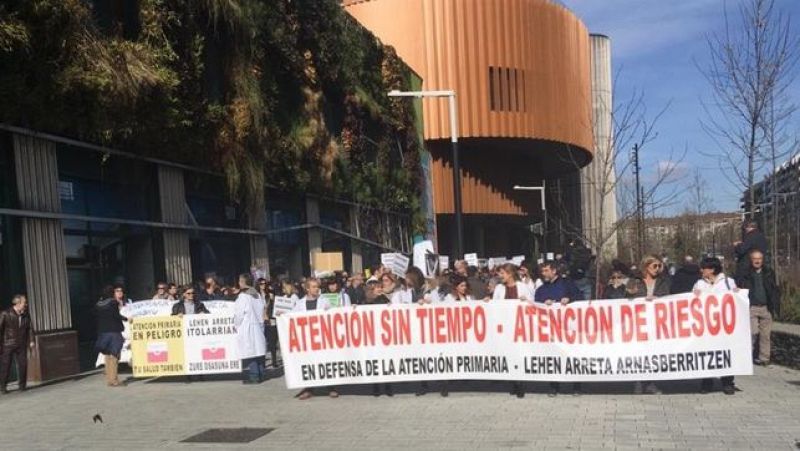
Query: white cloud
[{"x": 638, "y": 27}]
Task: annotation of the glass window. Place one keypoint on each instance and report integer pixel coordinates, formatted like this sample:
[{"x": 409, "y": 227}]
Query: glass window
[
  {"x": 209, "y": 206},
  {"x": 96, "y": 184},
  {"x": 99, "y": 255},
  {"x": 223, "y": 255},
  {"x": 288, "y": 251}
]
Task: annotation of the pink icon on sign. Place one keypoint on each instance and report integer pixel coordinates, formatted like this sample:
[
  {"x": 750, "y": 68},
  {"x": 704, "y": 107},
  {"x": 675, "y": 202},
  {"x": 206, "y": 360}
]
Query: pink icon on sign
[
  {"x": 214, "y": 354},
  {"x": 157, "y": 352}
]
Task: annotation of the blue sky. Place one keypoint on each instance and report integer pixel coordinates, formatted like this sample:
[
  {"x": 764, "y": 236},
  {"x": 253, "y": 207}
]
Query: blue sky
[{"x": 655, "y": 44}]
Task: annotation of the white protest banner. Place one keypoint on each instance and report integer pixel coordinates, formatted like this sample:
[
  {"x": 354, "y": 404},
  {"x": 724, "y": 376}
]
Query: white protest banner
[
  {"x": 387, "y": 259},
  {"x": 495, "y": 262},
  {"x": 191, "y": 344},
  {"x": 399, "y": 265},
  {"x": 471, "y": 259},
  {"x": 210, "y": 345},
  {"x": 675, "y": 337},
  {"x": 425, "y": 259},
  {"x": 152, "y": 308},
  {"x": 444, "y": 262},
  {"x": 517, "y": 259},
  {"x": 283, "y": 305}
]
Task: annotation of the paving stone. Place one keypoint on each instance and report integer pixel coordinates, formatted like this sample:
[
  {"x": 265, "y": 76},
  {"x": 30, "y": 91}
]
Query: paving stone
[{"x": 158, "y": 414}]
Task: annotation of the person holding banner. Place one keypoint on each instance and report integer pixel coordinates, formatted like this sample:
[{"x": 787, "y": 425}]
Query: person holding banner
[
  {"x": 109, "y": 333},
  {"x": 512, "y": 289},
  {"x": 313, "y": 301},
  {"x": 161, "y": 292},
  {"x": 188, "y": 306},
  {"x": 340, "y": 298},
  {"x": 714, "y": 280},
  {"x": 650, "y": 285},
  {"x": 415, "y": 293},
  {"x": 271, "y": 327},
  {"x": 414, "y": 290},
  {"x": 249, "y": 312},
  {"x": 389, "y": 285},
  {"x": 356, "y": 289},
  {"x": 615, "y": 289},
  {"x": 560, "y": 291},
  {"x": 172, "y": 292},
  {"x": 511, "y": 286},
  {"x": 373, "y": 295},
  {"x": 459, "y": 289},
  {"x": 526, "y": 279}
]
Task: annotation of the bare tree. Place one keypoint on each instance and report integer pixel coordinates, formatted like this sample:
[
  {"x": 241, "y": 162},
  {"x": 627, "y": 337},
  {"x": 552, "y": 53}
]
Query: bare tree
[
  {"x": 697, "y": 191},
  {"x": 611, "y": 176},
  {"x": 749, "y": 71}
]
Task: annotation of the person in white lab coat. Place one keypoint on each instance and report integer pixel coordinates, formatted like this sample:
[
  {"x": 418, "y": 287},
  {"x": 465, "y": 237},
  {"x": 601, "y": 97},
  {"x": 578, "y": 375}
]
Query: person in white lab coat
[{"x": 249, "y": 313}]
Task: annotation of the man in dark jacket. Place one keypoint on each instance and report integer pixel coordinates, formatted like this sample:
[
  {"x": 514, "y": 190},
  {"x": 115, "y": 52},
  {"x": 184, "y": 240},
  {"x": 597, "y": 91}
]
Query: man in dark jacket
[
  {"x": 16, "y": 337},
  {"x": 356, "y": 290},
  {"x": 556, "y": 289},
  {"x": 765, "y": 301},
  {"x": 685, "y": 277},
  {"x": 752, "y": 240},
  {"x": 477, "y": 287}
]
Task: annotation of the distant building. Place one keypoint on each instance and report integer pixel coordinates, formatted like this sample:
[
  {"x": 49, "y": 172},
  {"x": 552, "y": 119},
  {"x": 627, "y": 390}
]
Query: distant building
[
  {"x": 686, "y": 234},
  {"x": 778, "y": 196}
]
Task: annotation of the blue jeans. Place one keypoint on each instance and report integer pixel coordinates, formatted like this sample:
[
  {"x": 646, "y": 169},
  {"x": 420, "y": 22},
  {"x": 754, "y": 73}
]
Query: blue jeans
[{"x": 253, "y": 368}]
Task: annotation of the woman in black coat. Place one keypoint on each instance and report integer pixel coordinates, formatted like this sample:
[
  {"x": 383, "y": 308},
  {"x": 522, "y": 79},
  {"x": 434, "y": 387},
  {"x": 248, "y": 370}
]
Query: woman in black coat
[{"x": 109, "y": 333}]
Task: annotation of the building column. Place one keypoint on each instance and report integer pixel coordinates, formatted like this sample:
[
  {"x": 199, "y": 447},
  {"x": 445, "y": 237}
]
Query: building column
[
  {"x": 356, "y": 259},
  {"x": 599, "y": 176},
  {"x": 172, "y": 194},
  {"x": 314, "y": 233},
  {"x": 36, "y": 167}
]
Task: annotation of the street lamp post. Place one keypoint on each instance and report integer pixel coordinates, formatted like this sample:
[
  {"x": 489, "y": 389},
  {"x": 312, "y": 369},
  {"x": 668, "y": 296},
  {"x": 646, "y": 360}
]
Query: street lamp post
[
  {"x": 451, "y": 97},
  {"x": 541, "y": 190}
]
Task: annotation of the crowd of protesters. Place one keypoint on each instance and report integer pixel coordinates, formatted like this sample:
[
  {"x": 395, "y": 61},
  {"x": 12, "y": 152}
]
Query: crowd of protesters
[{"x": 563, "y": 280}]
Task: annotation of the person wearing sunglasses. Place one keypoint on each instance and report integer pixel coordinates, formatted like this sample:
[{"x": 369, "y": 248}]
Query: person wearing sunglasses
[
  {"x": 161, "y": 292},
  {"x": 189, "y": 305},
  {"x": 616, "y": 288},
  {"x": 651, "y": 284}
]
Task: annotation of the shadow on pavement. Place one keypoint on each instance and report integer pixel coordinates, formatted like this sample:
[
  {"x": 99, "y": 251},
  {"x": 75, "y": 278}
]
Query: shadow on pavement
[{"x": 588, "y": 389}]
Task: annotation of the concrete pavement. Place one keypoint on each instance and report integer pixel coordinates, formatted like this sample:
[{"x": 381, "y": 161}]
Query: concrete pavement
[{"x": 477, "y": 415}]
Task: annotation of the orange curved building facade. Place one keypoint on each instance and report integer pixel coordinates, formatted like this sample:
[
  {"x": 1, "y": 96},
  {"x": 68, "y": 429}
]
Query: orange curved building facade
[{"x": 521, "y": 73}]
